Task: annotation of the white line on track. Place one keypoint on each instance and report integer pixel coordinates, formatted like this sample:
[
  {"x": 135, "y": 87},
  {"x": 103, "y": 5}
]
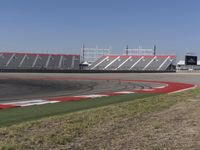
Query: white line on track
[
  {"x": 30, "y": 102},
  {"x": 124, "y": 92},
  {"x": 91, "y": 96},
  {"x": 160, "y": 87},
  {"x": 25, "y": 101},
  {"x": 41, "y": 103},
  {"x": 148, "y": 89}
]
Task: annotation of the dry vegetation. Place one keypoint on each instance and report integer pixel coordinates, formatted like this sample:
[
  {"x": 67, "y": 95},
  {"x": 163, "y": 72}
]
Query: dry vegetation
[{"x": 158, "y": 122}]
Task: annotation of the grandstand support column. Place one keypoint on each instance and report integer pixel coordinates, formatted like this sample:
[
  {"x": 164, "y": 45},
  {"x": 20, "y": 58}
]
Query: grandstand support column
[
  {"x": 123, "y": 63},
  {"x": 8, "y": 62},
  {"x": 136, "y": 62},
  {"x": 36, "y": 58},
  {"x": 163, "y": 63},
  {"x": 20, "y": 64},
  {"x": 48, "y": 59},
  {"x": 149, "y": 63},
  {"x": 111, "y": 62},
  {"x": 60, "y": 62}
]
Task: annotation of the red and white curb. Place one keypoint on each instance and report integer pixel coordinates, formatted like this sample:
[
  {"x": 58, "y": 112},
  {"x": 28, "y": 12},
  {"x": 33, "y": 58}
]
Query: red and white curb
[
  {"x": 190, "y": 88},
  {"x": 165, "y": 88},
  {"x": 25, "y": 103}
]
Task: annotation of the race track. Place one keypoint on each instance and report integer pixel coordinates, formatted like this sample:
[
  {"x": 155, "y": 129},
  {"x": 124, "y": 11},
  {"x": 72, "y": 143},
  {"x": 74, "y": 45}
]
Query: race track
[
  {"x": 27, "y": 86},
  {"x": 18, "y": 88}
]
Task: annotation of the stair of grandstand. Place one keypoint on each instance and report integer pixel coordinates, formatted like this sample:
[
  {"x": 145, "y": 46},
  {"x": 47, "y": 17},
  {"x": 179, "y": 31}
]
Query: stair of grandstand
[
  {"x": 96, "y": 63},
  {"x": 105, "y": 63},
  {"x": 28, "y": 61},
  {"x": 116, "y": 63},
  {"x": 110, "y": 63},
  {"x": 41, "y": 62},
  {"x": 166, "y": 64},
  {"x": 142, "y": 63},
  {"x": 4, "y": 58},
  {"x": 155, "y": 64},
  {"x": 128, "y": 63}
]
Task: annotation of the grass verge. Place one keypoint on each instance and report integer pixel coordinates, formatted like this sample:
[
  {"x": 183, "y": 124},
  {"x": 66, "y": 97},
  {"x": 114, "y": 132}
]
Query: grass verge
[
  {"x": 58, "y": 132},
  {"x": 16, "y": 115}
]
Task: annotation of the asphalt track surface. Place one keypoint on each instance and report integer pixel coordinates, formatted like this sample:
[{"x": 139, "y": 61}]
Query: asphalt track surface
[{"x": 26, "y": 86}]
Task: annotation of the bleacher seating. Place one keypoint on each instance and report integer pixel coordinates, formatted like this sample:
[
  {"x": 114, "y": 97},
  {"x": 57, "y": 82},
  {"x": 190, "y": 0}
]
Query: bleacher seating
[
  {"x": 129, "y": 63},
  {"x": 96, "y": 63},
  {"x": 156, "y": 63},
  {"x": 76, "y": 63},
  {"x": 41, "y": 61},
  {"x": 168, "y": 62},
  {"x": 104, "y": 65},
  {"x": 14, "y": 61},
  {"x": 136, "y": 63},
  {"x": 115, "y": 64},
  {"x": 28, "y": 61},
  {"x": 67, "y": 62},
  {"x": 142, "y": 63},
  {"x": 11, "y": 60},
  {"x": 4, "y": 58},
  {"x": 54, "y": 61}
]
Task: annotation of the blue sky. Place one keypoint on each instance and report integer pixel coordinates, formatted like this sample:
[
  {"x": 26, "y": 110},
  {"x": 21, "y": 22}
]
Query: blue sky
[{"x": 61, "y": 26}]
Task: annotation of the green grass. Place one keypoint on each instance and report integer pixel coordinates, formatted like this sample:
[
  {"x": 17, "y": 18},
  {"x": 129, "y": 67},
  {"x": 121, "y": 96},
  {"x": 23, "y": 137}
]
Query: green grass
[
  {"x": 57, "y": 132},
  {"x": 16, "y": 115}
]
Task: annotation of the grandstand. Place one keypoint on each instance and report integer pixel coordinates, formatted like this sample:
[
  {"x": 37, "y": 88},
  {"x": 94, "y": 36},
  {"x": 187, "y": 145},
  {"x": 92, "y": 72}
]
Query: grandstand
[
  {"x": 13, "y": 61},
  {"x": 135, "y": 63},
  {"x": 34, "y": 61}
]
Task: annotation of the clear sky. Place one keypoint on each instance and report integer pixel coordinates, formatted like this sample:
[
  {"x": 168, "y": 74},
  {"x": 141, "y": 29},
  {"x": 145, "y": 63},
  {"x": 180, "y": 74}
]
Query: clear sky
[{"x": 61, "y": 26}]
